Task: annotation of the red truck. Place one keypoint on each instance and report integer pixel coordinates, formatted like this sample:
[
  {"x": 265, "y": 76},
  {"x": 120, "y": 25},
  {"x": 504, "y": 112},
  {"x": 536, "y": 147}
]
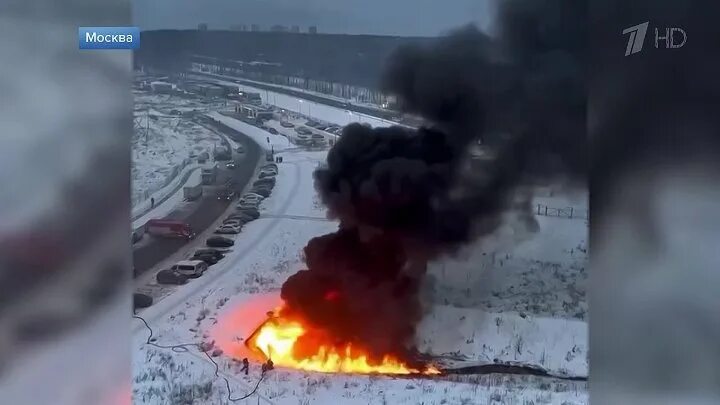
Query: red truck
[{"x": 169, "y": 228}]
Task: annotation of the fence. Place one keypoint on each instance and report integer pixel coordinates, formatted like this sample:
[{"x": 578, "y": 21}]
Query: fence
[
  {"x": 145, "y": 195},
  {"x": 567, "y": 212}
]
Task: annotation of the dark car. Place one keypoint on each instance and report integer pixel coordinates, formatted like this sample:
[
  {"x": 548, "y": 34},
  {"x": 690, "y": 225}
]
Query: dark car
[
  {"x": 219, "y": 241},
  {"x": 251, "y": 212},
  {"x": 207, "y": 258},
  {"x": 171, "y": 277},
  {"x": 272, "y": 130},
  {"x": 266, "y": 181},
  {"x": 210, "y": 251},
  {"x": 312, "y": 123},
  {"x": 260, "y": 190},
  {"x": 141, "y": 300},
  {"x": 263, "y": 175},
  {"x": 270, "y": 166},
  {"x": 286, "y": 124}
]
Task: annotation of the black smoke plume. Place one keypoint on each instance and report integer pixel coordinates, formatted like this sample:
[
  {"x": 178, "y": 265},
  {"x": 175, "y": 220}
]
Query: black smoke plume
[{"x": 405, "y": 196}]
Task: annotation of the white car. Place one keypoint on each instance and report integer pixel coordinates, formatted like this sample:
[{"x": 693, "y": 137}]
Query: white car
[
  {"x": 190, "y": 268},
  {"x": 228, "y": 229},
  {"x": 251, "y": 198},
  {"x": 271, "y": 170}
]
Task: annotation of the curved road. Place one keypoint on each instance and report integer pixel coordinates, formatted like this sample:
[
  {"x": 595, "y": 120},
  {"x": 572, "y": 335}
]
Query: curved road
[{"x": 208, "y": 209}]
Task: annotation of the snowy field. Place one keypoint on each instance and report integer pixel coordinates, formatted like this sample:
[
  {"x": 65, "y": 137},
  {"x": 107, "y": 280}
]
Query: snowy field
[
  {"x": 163, "y": 143},
  {"x": 526, "y": 304},
  {"x": 308, "y": 108}
]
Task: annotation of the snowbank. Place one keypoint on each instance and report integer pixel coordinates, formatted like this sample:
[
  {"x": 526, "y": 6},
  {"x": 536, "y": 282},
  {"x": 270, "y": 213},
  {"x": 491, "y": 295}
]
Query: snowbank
[
  {"x": 261, "y": 137},
  {"x": 182, "y": 178}
]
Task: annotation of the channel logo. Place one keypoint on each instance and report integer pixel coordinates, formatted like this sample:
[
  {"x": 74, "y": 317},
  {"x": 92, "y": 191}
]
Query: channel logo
[{"x": 109, "y": 37}]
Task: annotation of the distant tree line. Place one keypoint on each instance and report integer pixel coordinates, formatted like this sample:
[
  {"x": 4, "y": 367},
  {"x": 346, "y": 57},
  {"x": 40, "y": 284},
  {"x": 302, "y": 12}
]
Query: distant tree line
[{"x": 354, "y": 60}]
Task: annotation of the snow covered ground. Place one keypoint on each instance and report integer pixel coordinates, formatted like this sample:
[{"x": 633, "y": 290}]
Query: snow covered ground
[
  {"x": 309, "y": 108},
  {"x": 173, "y": 200},
  {"x": 525, "y": 304},
  {"x": 163, "y": 143}
]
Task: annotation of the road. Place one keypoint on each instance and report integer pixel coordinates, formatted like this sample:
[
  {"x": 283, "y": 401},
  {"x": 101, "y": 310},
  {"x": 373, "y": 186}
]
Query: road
[{"x": 207, "y": 210}]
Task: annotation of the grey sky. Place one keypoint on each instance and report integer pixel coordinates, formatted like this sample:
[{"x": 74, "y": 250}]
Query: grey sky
[{"x": 385, "y": 17}]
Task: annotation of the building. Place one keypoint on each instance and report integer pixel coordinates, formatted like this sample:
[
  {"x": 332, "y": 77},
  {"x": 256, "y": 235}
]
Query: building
[
  {"x": 278, "y": 28},
  {"x": 202, "y": 27},
  {"x": 312, "y": 29},
  {"x": 237, "y": 27},
  {"x": 255, "y": 28},
  {"x": 295, "y": 29}
]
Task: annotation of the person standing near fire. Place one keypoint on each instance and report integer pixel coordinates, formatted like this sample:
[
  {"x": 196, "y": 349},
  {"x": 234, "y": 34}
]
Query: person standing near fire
[{"x": 246, "y": 366}]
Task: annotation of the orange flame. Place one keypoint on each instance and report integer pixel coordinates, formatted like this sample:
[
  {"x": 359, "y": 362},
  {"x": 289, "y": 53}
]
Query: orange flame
[{"x": 290, "y": 344}]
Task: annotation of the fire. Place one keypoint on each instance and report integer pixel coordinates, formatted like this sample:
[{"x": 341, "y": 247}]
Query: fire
[{"x": 291, "y": 344}]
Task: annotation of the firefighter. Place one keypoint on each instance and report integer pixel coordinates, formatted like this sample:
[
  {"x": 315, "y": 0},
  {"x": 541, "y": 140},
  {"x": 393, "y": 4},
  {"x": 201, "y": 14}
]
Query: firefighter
[
  {"x": 267, "y": 366},
  {"x": 246, "y": 366},
  {"x": 152, "y": 202}
]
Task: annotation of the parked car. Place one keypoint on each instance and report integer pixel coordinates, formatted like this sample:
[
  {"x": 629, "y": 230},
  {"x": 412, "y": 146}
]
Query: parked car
[
  {"x": 170, "y": 277},
  {"x": 264, "y": 174},
  {"x": 269, "y": 166},
  {"x": 318, "y": 136},
  {"x": 321, "y": 127},
  {"x": 141, "y": 300},
  {"x": 262, "y": 190},
  {"x": 225, "y": 194},
  {"x": 219, "y": 241},
  {"x": 208, "y": 259},
  {"x": 251, "y": 212},
  {"x": 303, "y": 131},
  {"x": 265, "y": 181},
  {"x": 252, "y": 197},
  {"x": 312, "y": 123},
  {"x": 230, "y": 165},
  {"x": 272, "y": 130},
  {"x": 190, "y": 268},
  {"x": 269, "y": 169},
  {"x": 233, "y": 222},
  {"x": 219, "y": 254},
  {"x": 286, "y": 124},
  {"x": 247, "y": 205},
  {"x": 228, "y": 230}
]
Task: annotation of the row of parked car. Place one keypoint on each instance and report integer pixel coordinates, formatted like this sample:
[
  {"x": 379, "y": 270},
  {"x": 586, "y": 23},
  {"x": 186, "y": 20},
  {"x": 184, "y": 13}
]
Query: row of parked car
[{"x": 217, "y": 246}]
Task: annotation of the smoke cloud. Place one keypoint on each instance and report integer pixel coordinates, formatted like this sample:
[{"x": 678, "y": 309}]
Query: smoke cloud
[{"x": 405, "y": 196}]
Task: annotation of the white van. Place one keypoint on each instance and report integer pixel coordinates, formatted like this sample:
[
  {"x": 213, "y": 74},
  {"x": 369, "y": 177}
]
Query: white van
[{"x": 190, "y": 268}]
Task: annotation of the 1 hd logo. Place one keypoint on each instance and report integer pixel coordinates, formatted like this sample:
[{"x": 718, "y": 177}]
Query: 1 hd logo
[
  {"x": 637, "y": 33},
  {"x": 109, "y": 37}
]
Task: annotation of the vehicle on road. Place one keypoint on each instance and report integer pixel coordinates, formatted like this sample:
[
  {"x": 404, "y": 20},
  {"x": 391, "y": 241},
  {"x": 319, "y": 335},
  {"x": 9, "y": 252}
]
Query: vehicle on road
[
  {"x": 228, "y": 230},
  {"x": 169, "y": 229},
  {"x": 219, "y": 241},
  {"x": 272, "y": 130},
  {"x": 286, "y": 124},
  {"x": 240, "y": 149},
  {"x": 192, "y": 193},
  {"x": 225, "y": 194},
  {"x": 190, "y": 268},
  {"x": 230, "y": 165},
  {"x": 170, "y": 277},
  {"x": 141, "y": 300}
]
